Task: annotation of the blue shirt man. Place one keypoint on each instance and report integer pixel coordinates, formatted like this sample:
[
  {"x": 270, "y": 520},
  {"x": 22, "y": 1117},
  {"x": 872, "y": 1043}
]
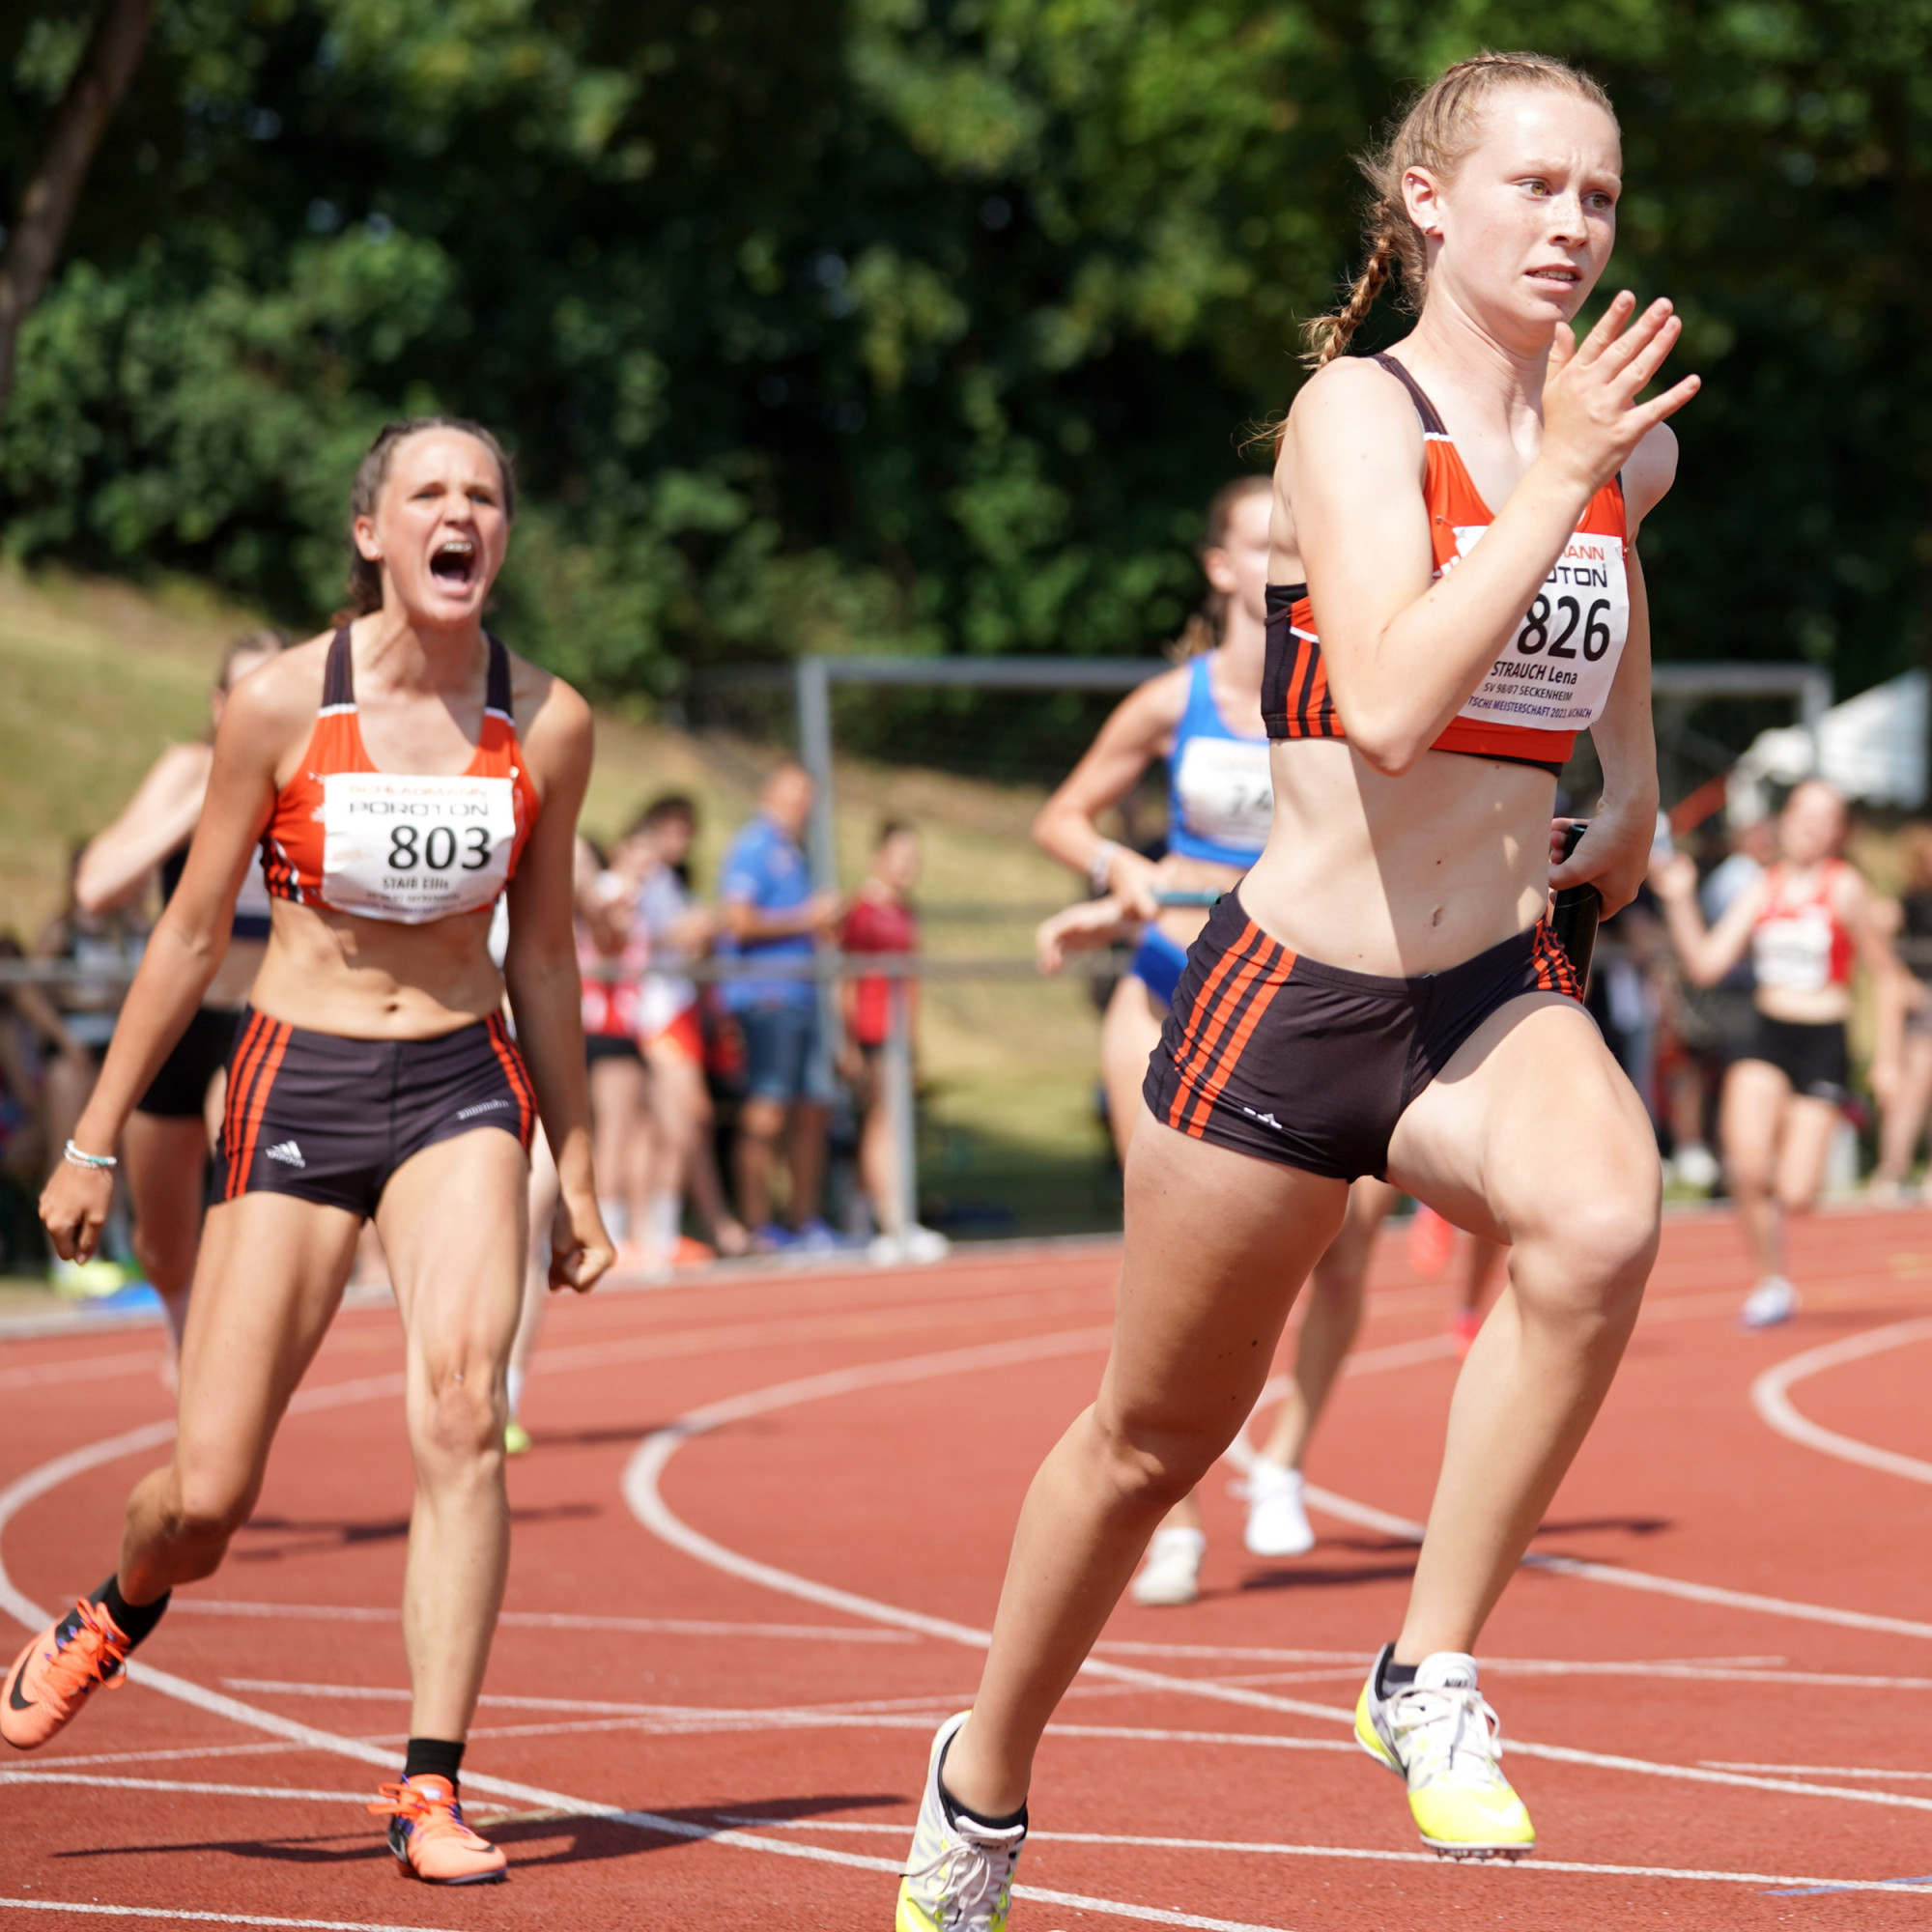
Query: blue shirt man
[{"x": 765, "y": 870}]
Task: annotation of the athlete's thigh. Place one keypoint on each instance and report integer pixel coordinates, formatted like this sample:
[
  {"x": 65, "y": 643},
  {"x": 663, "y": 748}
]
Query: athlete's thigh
[
  {"x": 1751, "y": 1113},
  {"x": 1809, "y": 1124},
  {"x": 454, "y": 1221},
  {"x": 1530, "y": 1125},
  {"x": 267, "y": 1281},
  {"x": 1129, "y": 1034},
  {"x": 1217, "y": 1245}
]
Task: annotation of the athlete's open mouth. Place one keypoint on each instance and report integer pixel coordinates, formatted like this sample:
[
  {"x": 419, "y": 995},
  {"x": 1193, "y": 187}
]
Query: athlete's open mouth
[
  {"x": 453, "y": 562},
  {"x": 1556, "y": 272}
]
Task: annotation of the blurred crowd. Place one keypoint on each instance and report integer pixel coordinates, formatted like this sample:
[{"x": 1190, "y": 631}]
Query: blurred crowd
[{"x": 744, "y": 1116}]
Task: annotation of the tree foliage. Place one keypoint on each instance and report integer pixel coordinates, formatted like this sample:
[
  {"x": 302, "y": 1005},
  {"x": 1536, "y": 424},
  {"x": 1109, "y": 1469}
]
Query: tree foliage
[{"x": 899, "y": 324}]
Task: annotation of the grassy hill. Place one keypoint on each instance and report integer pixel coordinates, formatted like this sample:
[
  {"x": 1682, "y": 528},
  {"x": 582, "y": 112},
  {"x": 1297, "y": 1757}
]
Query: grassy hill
[{"x": 99, "y": 677}]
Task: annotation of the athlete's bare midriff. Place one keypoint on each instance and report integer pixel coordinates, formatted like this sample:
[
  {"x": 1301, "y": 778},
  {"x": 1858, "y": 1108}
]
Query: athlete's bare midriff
[
  {"x": 369, "y": 978},
  {"x": 1399, "y": 877}
]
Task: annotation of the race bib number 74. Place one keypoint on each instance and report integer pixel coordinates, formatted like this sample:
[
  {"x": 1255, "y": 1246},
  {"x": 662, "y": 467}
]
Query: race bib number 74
[
  {"x": 414, "y": 850},
  {"x": 1555, "y": 671}
]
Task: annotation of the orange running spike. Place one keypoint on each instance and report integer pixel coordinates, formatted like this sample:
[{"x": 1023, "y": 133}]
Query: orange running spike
[
  {"x": 429, "y": 1837},
  {"x": 57, "y": 1673}
]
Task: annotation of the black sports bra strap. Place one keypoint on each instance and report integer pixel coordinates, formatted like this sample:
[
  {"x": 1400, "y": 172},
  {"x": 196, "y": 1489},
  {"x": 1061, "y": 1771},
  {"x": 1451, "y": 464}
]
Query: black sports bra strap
[
  {"x": 1431, "y": 423},
  {"x": 338, "y": 676},
  {"x": 496, "y": 692}
]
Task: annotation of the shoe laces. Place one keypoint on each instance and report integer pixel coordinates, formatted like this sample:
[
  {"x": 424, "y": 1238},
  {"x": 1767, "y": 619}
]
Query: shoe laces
[
  {"x": 423, "y": 1810},
  {"x": 971, "y": 1879},
  {"x": 91, "y": 1654},
  {"x": 1457, "y": 1730}
]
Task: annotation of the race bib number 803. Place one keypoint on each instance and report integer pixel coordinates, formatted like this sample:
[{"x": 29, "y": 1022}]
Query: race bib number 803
[
  {"x": 1555, "y": 673},
  {"x": 414, "y": 850}
]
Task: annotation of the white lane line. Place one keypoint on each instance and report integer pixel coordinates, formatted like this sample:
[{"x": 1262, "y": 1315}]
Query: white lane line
[
  {"x": 1410, "y": 1531},
  {"x": 1815, "y": 1770},
  {"x": 36, "y": 1777},
  {"x": 1771, "y": 1398},
  {"x": 1268, "y": 1849},
  {"x": 38, "y": 1482},
  {"x": 84, "y": 1760},
  {"x": 644, "y": 1498},
  {"x": 1360, "y": 1659},
  {"x": 276, "y": 1687},
  {"x": 80, "y": 1369},
  {"x": 350, "y": 1613},
  {"x": 174, "y": 1914}
]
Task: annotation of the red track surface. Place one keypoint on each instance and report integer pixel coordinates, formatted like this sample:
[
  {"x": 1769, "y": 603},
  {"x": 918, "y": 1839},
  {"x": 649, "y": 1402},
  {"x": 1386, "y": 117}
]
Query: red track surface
[{"x": 1686, "y": 1727}]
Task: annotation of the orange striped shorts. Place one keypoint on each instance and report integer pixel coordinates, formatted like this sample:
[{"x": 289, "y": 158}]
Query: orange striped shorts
[
  {"x": 1293, "y": 1061},
  {"x": 329, "y": 1120}
]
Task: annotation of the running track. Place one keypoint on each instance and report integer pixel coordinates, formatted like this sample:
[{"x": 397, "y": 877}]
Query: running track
[{"x": 766, "y": 1522}]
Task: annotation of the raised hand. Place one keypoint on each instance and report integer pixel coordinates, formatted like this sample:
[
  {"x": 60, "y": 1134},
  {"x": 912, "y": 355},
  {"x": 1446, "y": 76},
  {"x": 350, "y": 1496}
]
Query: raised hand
[{"x": 1592, "y": 420}]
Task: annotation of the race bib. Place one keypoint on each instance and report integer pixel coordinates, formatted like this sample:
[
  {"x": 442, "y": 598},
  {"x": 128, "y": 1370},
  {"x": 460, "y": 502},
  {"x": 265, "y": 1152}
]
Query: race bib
[
  {"x": 1225, "y": 791},
  {"x": 1555, "y": 673},
  {"x": 414, "y": 850}
]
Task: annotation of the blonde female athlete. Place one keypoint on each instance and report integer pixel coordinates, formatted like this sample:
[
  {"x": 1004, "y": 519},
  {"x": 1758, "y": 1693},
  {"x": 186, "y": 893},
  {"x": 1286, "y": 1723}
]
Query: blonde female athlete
[
  {"x": 166, "y": 1139},
  {"x": 1803, "y": 924},
  {"x": 1456, "y": 599},
  {"x": 1204, "y": 719},
  {"x": 399, "y": 778}
]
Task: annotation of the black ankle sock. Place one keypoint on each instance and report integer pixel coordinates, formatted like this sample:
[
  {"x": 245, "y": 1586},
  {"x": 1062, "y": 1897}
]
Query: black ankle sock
[
  {"x": 1395, "y": 1676},
  {"x": 955, "y": 1810},
  {"x": 433, "y": 1757},
  {"x": 132, "y": 1620}
]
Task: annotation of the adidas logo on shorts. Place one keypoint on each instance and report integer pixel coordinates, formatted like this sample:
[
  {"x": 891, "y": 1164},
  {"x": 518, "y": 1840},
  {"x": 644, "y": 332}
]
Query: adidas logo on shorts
[
  {"x": 481, "y": 1107},
  {"x": 289, "y": 1153}
]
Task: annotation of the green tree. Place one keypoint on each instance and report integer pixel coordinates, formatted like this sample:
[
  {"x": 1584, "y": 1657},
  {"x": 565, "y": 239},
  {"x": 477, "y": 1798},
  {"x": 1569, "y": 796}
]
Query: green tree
[{"x": 882, "y": 323}]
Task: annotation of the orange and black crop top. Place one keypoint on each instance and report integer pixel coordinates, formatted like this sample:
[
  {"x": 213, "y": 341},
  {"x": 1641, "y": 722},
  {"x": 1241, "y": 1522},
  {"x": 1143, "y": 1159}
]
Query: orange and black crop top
[
  {"x": 1554, "y": 675},
  {"x": 387, "y": 845}
]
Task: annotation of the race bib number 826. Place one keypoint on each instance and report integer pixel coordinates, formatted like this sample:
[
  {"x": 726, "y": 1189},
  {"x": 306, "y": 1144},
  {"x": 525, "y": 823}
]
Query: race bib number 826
[{"x": 1556, "y": 670}]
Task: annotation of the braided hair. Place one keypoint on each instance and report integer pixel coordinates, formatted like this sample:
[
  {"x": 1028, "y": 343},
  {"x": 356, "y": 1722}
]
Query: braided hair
[{"x": 1442, "y": 125}]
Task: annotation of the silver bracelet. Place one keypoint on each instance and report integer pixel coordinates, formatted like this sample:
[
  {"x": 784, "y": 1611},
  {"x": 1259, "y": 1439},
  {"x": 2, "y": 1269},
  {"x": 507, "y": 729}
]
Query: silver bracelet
[
  {"x": 1101, "y": 864},
  {"x": 75, "y": 1157}
]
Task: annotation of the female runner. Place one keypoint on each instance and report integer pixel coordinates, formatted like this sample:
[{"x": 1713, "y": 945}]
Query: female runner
[
  {"x": 167, "y": 1137},
  {"x": 1905, "y": 1111},
  {"x": 1802, "y": 922},
  {"x": 400, "y": 776},
  {"x": 1218, "y": 806},
  {"x": 1381, "y": 995}
]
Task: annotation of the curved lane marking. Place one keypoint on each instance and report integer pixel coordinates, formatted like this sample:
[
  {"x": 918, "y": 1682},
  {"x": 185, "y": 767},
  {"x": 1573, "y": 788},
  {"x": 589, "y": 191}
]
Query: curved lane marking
[
  {"x": 1770, "y": 1397},
  {"x": 62, "y": 1468},
  {"x": 643, "y": 1496}
]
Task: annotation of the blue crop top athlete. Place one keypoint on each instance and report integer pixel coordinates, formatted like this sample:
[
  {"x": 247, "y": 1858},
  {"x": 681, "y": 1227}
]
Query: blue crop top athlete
[{"x": 1219, "y": 802}]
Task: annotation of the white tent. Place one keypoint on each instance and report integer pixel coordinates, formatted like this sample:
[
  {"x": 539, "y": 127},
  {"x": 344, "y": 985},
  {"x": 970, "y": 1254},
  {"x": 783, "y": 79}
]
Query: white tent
[{"x": 1872, "y": 747}]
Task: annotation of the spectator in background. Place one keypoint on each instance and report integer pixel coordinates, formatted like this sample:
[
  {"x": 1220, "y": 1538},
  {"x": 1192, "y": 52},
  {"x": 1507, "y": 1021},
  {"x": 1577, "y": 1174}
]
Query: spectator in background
[
  {"x": 611, "y": 959},
  {"x": 771, "y": 913},
  {"x": 1903, "y": 1117},
  {"x": 1802, "y": 922},
  {"x": 881, "y": 921},
  {"x": 671, "y": 1025}
]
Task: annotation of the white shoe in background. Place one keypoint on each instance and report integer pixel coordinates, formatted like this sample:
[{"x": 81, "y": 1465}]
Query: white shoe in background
[
  {"x": 1772, "y": 1301},
  {"x": 1277, "y": 1517},
  {"x": 1172, "y": 1572}
]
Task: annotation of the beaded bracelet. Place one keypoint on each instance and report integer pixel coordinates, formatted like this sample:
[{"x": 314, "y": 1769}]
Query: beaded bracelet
[{"x": 74, "y": 1154}]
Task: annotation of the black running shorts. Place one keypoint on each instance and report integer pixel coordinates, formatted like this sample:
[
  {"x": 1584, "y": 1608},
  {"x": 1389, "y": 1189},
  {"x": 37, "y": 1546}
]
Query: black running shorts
[
  {"x": 1813, "y": 1055},
  {"x": 1311, "y": 1065},
  {"x": 331, "y": 1120},
  {"x": 179, "y": 1092}
]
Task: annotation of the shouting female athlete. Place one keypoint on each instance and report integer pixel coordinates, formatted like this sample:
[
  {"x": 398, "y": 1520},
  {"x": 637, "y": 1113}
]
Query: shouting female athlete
[
  {"x": 399, "y": 778},
  {"x": 1455, "y": 597},
  {"x": 1204, "y": 719},
  {"x": 166, "y": 1139}
]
